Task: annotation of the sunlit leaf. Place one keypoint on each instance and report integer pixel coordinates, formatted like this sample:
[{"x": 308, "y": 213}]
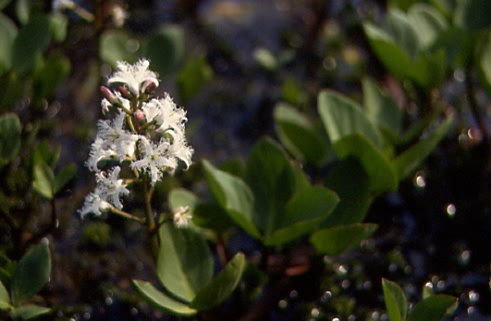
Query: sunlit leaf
[
  {"x": 221, "y": 286},
  {"x": 427, "y": 22},
  {"x": 43, "y": 179},
  {"x": 162, "y": 301},
  {"x": 335, "y": 240},
  {"x": 29, "y": 311},
  {"x": 342, "y": 117},
  {"x": 433, "y": 308},
  {"x": 395, "y": 301},
  {"x": 4, "y": 298},
  {"x": 402, "y": 32},
  {"x": 233, "y": 194},
  {"x": 58, "y": 26},
  {"x": 31, "y": 273},
  {"x": 381, "y": 108},
  {"x": 184, "y": 264}
]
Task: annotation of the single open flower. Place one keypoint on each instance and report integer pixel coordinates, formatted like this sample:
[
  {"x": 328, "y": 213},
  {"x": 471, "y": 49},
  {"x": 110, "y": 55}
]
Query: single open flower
[
  {"x": 181, "y": 218},
  {"x": 133, "y": 76}
]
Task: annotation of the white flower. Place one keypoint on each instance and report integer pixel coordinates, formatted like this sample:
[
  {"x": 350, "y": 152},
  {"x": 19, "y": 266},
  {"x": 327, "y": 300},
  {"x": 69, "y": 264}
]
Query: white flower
[
  {"x": 133, "y": 76},
  {"x": 180, "y": 149},
  {"x": 110, "y": 187},
  {"x": 98, "y": 153},
  {"x": 166, "y": 115},
  {"x": 94, "y": 204},
  {"x": 116, "y": 139},
  {"x": 156, "y": 159},
  {"x": 181, "y": 218}
]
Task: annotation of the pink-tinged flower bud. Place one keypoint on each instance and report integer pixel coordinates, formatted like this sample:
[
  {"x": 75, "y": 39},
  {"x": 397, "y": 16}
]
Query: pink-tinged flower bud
[
  {"x": 149, "y": 86},
  {"x": 124, "y": 92},
  {"x": 109, "y": 95},
  {"x": 139, "y": 116}
]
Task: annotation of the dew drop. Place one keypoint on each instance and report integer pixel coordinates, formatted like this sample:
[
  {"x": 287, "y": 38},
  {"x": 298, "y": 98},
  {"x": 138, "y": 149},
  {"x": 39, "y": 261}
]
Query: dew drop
[
  {"x": 342, "y": 269},
  {"x": 440, "y": 285},
  {"x": 315, "y": 312},
  {"x": 473, "y": 297},
  {"x": 429, "y": 285},
  {"x": 108, "y": 300},
  {"x": 459, "y": 75},
  {"x": 134, "y": 311},
  {"x": 420, "y": 181},
  {"x": 293, "y": 294},
  {"x": 326, "y": 296},
  {"x": 450, "y": 209},
  {"x": 465, "y": 257},
  {"x": 335, "y": 319},
  {"x": 87, "y": 315},
  {"x": 345, "y": 284},
  {"x": 282, "y": 304}
]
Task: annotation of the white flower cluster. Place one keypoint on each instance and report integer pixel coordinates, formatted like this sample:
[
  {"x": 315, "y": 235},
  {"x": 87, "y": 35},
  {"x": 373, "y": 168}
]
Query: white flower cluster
[{"x": 146, "y": 133}]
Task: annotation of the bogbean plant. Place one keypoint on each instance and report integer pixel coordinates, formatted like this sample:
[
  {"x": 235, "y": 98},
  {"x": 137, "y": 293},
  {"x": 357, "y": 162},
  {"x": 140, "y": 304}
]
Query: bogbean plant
[
  {"x": 271, "y": 199},
  {"x": 365, "y": 146}
]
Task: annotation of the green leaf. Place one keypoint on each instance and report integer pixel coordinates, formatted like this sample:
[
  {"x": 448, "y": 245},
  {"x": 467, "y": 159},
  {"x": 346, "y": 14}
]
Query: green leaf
[
  {"x": 117, "y": 45},
  {"x": 50, "y": 74},
  {"x": 433, "y": 308},
  {"x": 30, "y": 42},
  {"x": 31, "y": 274},
  {"x": 23, "y": 10},
  {"x": 192, "y": 77},
  {"x": 266, "y": 59},
  {"x": 63, "y": 177},
  {"x": 395, "y": 59},
  {"x": 485, "y": 61},
  {"x": 270, "y": 176},
  {"x": 4, "y": 298},
  {"x": 401, "y": 4},
  {"x": 350, "y": 182},
  {"x": 395, "y": 301},
  {"x": 29, "y": 311},
  {"x": 43, "y": 179},
  {"x": 221, "y": 286},
  {"x": 299, "y": 135},
  {"x": 304, "y": 212},
  {"x": 427, "y": 22},
  {"x": 233, "y": 194},
  {"x": 381, "y": 108},
  {"x": 407, "y": 162},
  {"x": 4, "y": 3},
  {"x": 160, "y": 300},
  {"x": 165, "y": 48},
  {"x": 335, "y": 240},
  {"x": 184, "y": 264},
  {"x": 381, "y": 174},
  {"x": 212, "y": 216},
  {"x": 58, "y": 26},
  {"x": 473, "y": 14},
  {"x": 182, "y": 197},
  {"x": 342, "y": 117},
  {"x": 10, "y": 131},
  {"x": 401, "y": 31},
  {"x": 8, "y": 32}
]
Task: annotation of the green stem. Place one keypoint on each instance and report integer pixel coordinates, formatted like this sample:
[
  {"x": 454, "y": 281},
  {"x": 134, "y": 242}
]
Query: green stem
[
  {"x": 127, "y": 215},
  {"x": 147, "y": 195}
]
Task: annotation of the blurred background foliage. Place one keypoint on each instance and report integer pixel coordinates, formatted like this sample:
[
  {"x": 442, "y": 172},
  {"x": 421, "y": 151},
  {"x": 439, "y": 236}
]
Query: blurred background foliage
[{"x": 244, "y": 69}]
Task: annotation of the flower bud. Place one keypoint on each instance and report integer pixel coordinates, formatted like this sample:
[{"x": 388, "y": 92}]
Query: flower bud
[
  {"x": 149, "y": 86},
  {"x": 139, "y": 116},
  {"x": 109, "y": 95},
  {"x": 124, "y": 92}
]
